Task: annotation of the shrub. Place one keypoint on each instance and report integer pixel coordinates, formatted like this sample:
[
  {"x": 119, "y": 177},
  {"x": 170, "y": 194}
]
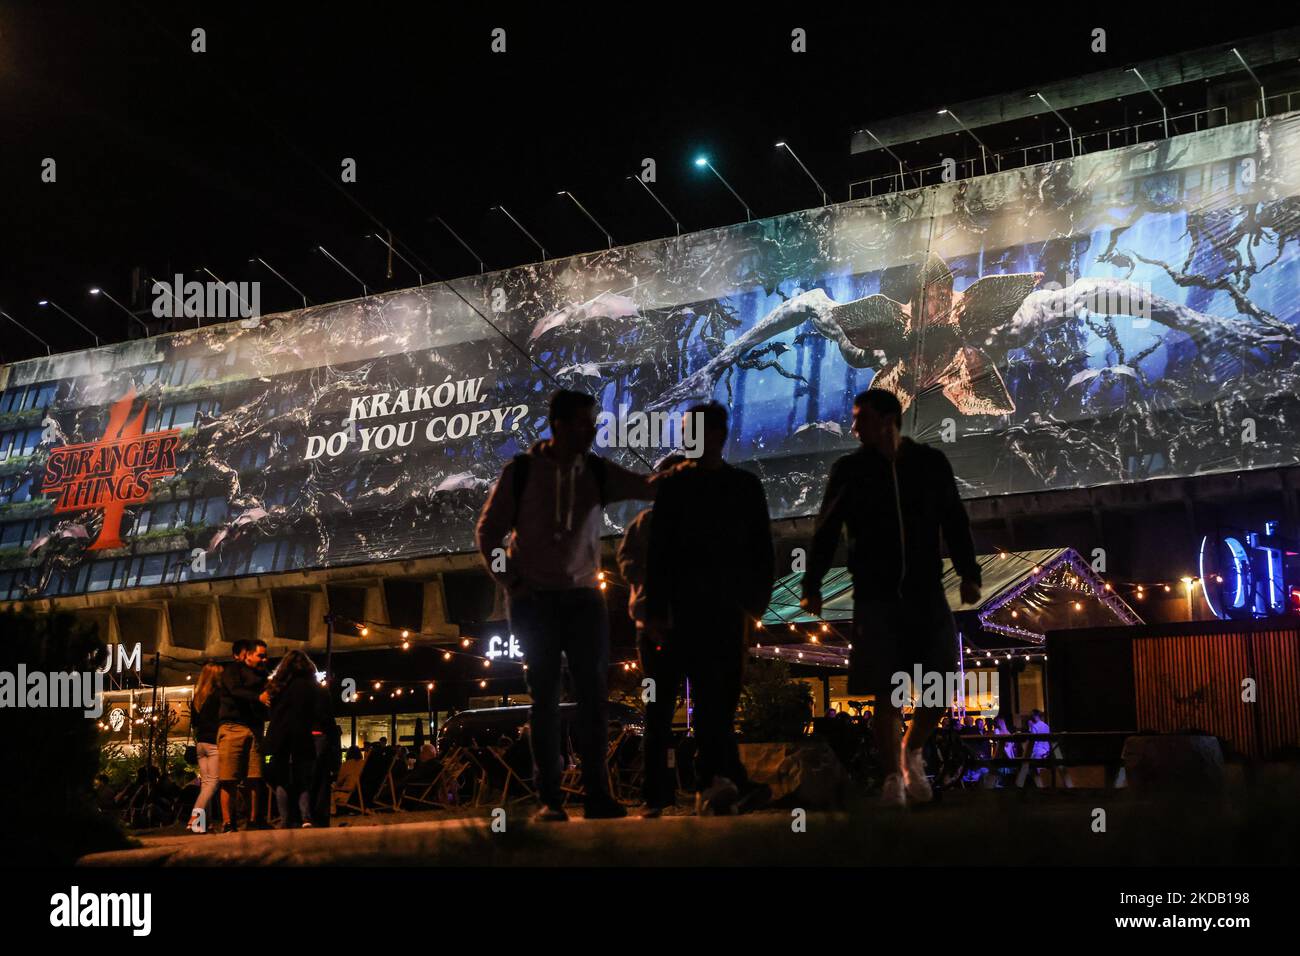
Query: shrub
[
  {"x": 47, "y": 812},
  {"x": 774, "y": 707}
]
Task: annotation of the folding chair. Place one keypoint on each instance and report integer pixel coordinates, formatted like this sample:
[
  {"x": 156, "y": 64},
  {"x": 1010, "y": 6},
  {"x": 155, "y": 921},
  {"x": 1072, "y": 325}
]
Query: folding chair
[
  {"x": 445, "y": 787},
  {"x": 571, "y": 779},
  {"x": 611, "y": 770},
  {"x": 498, "y": 754},
  {"x": 571, "y": 776},
  {"x": 626, "y": 781},
  {"x": 481, "y": 759},
  {"x": 344, "y": 797},
  {"x": 387, "y": 785}
]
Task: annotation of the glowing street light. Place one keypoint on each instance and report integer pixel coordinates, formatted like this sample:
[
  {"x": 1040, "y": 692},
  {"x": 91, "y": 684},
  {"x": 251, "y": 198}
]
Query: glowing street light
[
  {"x": 786, "y": 146},
  {"x": 54, "y": 305},
  {"x": 703, "y": 163},
  {"x": 609, "y": 240},
  {"x": 96, "y": 290}
]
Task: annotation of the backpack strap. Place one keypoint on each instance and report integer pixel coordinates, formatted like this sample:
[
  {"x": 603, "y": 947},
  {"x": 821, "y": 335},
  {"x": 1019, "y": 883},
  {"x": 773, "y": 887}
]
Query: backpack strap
[{"x": 599, "y": 472}]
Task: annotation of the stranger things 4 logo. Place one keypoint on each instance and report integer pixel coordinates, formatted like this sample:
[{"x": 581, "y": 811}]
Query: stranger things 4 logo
[{"x": 109, "y": 474}]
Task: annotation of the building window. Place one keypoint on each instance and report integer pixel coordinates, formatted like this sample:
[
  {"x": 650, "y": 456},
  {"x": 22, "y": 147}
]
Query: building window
[
  {"x": 373, "y": 726},
  {"x": 45, "y": 396},
  {"x": 263, "y": 558},
  {"x": 19, "y": 443},
  {"x": 151, "y": 570},
  {"x": 13, "y": 535}
]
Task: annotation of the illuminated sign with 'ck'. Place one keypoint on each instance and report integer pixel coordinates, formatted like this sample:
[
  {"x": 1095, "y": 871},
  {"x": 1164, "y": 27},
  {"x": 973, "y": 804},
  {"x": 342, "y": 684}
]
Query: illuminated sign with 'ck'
[{"x": 499, "y": 647}]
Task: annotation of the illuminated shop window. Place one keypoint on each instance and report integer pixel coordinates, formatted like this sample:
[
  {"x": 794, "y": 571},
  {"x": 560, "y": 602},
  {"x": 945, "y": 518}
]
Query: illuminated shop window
[
  {"x": 406, "y": 731},
  {"x": 371, "y": 728},
  {"x": 345, "y": 732}
]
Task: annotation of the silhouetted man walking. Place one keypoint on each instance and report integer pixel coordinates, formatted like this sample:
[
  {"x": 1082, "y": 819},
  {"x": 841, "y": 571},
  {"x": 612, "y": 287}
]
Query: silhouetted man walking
[
  {"x": 894, "y": 496},
  {"x": 539, "y": 535},
  {"x": 708, "y": 578}
]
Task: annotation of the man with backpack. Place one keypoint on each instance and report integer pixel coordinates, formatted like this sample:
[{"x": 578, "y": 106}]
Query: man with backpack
[{"x": 539, "y": 535}]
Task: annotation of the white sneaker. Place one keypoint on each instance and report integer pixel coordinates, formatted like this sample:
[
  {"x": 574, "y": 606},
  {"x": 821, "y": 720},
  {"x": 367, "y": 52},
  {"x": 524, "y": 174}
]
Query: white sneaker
[
  {"x": 914, "y": 778},
  {"x": 892, "y": 795},
  {"x": 718, "y": 799}
]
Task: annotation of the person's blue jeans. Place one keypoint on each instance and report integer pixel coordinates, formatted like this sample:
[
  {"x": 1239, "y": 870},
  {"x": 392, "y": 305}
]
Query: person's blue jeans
[
  {"x": 292, "y": 774},
  {"x": 572, "y": 623}
]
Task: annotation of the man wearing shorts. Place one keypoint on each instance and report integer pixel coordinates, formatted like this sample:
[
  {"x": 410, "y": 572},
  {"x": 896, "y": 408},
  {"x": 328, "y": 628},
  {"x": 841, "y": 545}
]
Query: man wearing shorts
[
  {"x": 895, "y": 496},
  {"x": 244, "y": 701}
]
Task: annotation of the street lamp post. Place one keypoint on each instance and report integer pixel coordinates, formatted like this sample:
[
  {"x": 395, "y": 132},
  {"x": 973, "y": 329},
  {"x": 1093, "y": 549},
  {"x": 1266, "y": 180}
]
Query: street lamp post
[
  {"x": 98, "y": 291},
  {"x": 667, "y": 212},
  {"x": 1190, "y": 585},
  {"x": 267, "y": 265},
  {"x": 1069, "y": 130},
  {"x": 703, "y": 163},
  {"x": 609, "y": 240},
  {"x": 55, "y": 305},
  {"x": 365, "y": 293},
  {"x": 463, "y": 243},
  {"x": 786, "y": 146},
  {"x": 1164, "y": 113},
  {"x": 27, "y": 330},
  {"x": 521, "y": 228},
  {"x": 984, "y": 153},
  {"x": 418, "y": 274}
]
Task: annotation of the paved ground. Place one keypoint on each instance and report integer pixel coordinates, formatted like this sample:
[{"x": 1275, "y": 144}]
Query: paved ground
[{"x": 1251, "y": 825}]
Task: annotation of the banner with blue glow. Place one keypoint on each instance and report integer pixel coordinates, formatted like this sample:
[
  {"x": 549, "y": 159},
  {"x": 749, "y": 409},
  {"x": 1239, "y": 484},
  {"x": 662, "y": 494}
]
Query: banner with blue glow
[{"x": 1121, "y": 316}]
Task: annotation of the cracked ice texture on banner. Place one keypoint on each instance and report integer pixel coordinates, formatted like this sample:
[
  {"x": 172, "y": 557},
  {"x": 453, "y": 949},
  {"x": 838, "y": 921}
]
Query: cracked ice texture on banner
[{"x": 1124, "y": 315}]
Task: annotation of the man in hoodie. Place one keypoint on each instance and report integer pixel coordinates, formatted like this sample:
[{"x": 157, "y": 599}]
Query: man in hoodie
[
  {"x": 539, "y": 535},
  {"x": 708, "y": 579},
  {"x": 894, "y": 496}
]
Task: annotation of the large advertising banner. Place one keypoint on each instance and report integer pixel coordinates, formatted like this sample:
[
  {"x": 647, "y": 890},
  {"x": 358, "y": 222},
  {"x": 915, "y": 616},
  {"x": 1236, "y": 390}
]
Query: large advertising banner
[{"x": 1126, "y": 315}]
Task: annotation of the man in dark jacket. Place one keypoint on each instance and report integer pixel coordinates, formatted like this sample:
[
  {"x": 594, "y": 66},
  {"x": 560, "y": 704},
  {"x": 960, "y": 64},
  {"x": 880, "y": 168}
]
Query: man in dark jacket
[
  {"x": 708, "y": 579},
  {"x": 659, "y": 782},
  {"x": 327, "y": 738},
  {"x": 244, "y": 702},
  {"x": 894, "y": 497}
]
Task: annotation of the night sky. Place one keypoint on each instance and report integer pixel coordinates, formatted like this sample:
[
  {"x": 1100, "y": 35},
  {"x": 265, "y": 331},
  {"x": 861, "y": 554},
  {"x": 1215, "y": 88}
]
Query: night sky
[{"x": 171, "y": 160}]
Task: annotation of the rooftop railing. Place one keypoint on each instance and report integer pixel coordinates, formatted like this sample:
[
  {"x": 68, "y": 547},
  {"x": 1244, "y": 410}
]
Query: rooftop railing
[{"x": 1082, "y": 144}]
